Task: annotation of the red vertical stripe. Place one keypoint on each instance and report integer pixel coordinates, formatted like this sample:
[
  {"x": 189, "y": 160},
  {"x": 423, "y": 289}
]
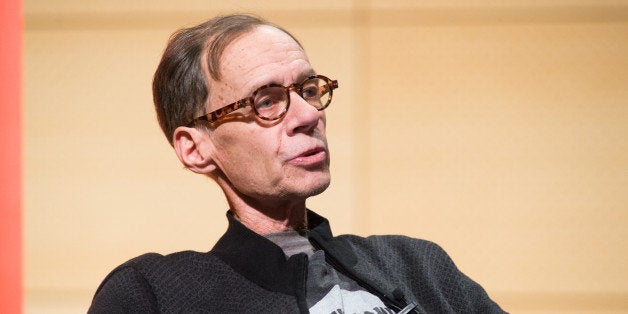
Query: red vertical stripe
[{"x": 11, "y": 21}]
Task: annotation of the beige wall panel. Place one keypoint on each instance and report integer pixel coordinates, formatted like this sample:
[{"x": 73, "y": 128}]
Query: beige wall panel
[
  {"x": 488, "y": 4},
  {"x": 167, "y": 6},
  {"x": 496, "y": 129},
  {"x": 102, "y": 183},
  {"x": 506, "y": 145}
]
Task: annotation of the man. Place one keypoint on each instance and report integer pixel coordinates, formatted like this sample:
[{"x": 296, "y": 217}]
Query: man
[{"x": 239, "y": 101}]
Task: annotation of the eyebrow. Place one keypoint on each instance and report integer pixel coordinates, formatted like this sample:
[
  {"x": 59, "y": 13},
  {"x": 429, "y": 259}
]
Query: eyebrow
[
  {"x": 300, "y": 78},
  {"x": 306, "y": 74}
]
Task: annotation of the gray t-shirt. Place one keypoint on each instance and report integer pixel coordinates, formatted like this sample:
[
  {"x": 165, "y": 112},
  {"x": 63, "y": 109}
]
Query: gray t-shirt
[{"x": 328, "y": 291}]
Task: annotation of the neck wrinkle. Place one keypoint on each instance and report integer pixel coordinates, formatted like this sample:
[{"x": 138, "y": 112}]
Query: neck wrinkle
[
  {"x": 264, "y": 217},
  {"x": 262, "y": 222}
]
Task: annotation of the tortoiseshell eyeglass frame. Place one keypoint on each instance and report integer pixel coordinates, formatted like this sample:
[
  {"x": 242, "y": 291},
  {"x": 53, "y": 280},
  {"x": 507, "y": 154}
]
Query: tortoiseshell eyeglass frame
[{"x": 217, "y": 114}]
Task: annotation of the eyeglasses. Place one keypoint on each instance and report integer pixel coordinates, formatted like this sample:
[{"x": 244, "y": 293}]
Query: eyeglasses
[{"x": 271, "y": 102}]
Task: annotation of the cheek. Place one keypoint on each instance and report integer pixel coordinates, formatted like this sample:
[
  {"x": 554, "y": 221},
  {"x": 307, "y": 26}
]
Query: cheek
[{"x": 254, "y": 150}]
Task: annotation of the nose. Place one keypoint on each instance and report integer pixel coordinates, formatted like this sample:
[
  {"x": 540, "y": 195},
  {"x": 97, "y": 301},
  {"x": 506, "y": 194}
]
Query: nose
[{"x": 301, "y": 116}]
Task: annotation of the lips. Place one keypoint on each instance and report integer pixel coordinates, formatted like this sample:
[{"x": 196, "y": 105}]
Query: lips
[
  {"x": 310, "y": 157},
  {"x": 312, "y": 152}
]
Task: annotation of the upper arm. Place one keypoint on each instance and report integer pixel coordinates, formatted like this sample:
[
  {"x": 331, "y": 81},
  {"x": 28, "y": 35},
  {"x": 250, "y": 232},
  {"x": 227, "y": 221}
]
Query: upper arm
[{"x": 462, "y": 293}]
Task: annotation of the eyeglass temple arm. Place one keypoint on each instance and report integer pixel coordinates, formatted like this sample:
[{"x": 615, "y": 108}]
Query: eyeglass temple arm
[
  {"x": 214, "y": 116},
  {"x": 334, "y": 84}
]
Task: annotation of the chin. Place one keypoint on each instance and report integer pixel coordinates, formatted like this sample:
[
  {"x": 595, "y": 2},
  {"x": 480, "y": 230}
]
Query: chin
[
  {"x": 317, "y": 186},
  {"x": 320, "y": 189}
]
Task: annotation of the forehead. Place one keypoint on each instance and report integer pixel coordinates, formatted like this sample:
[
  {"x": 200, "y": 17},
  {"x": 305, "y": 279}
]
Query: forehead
[{"x": 263, "y": 55}]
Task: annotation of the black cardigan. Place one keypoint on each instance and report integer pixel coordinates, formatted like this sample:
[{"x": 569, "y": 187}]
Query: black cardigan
[{"x": 246, "y": 272}]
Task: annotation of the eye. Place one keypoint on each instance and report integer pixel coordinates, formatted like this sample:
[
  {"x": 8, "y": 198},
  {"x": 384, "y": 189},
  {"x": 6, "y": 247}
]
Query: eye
[
  {"x": 264, "y": 103},
  {"x": 311, "y": 90},
  {"x": 269, "y": 99}
]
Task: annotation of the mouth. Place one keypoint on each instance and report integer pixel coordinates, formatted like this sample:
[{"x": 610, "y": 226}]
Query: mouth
[{"x": 310, "y": 157}]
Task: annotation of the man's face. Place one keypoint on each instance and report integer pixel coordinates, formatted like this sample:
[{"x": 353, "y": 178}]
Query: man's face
[{"x": 268, "y": 162}]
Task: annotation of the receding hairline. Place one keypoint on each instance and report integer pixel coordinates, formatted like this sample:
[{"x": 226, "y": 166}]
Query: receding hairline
[{"x": 212, "y": 62}]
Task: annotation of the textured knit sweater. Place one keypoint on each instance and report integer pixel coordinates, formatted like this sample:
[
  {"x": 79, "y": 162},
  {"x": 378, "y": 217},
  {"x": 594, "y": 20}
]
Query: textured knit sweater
[{"x": 246, "y": 272}]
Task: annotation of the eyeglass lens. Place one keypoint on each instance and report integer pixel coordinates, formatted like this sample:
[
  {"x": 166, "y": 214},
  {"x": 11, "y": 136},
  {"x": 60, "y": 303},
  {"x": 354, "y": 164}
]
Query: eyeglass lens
[{"x": 271, "y": 102}]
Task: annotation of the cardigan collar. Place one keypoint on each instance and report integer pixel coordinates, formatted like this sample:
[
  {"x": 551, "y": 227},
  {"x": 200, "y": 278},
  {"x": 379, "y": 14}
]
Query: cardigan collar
[{"x": 264, "y": 263}]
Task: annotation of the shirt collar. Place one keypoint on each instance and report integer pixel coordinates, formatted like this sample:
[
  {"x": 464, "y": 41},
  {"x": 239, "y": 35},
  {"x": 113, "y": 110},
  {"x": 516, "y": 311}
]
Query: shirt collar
[{"x": 262, "y": 261}]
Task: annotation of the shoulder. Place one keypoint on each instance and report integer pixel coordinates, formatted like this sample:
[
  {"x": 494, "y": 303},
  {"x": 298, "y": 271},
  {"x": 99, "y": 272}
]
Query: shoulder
[
  {"x": 131, "y": 285},
  {"x": 416, "y": 257},
  {"x": 403, "y": 246},
  {"x": 126, "y": 288},
  {"x": 148, "y": 263},
  {"x": 424, "y": 270}
]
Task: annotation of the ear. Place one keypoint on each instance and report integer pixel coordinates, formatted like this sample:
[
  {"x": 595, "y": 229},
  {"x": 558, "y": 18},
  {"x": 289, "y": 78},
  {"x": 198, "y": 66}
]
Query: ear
[{"x": 194, "y": 149}]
